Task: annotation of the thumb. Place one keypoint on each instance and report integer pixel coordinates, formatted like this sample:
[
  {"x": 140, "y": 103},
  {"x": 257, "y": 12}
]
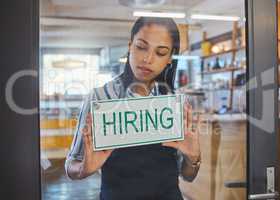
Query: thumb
[
  {"x": 170, "y": 144},
  {"x": 108, "y": 152}
]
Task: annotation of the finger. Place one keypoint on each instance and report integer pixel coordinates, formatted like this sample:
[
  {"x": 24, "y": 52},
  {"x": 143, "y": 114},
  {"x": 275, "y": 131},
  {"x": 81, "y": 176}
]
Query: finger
[
  {"x": 192, "y": 133},
  {"x": 198, "y": 126},
  {"x": 86, "y": 140},
  {"x": 87, "y": 137},
  {"x": 195, "y": 134},
  {"x": 89, "y": 119},
  {"x": 108, "y": 152},
  {"x": 170, "y": 144},
  {"x": 186, "y": 103},
  {"x": 189, "y": 117},
  {"x": 188, "y": 133},
  {"x": 90, "y": 138},
  {"x": 85, "y": 131},
  {"x": 185, "y": 107},
  {"x": 186, "y": 115},
  {"x": 89, "y": 122}
]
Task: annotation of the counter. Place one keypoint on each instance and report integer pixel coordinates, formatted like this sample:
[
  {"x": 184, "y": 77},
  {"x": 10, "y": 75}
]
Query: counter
[{"x": 223, "y": 148}]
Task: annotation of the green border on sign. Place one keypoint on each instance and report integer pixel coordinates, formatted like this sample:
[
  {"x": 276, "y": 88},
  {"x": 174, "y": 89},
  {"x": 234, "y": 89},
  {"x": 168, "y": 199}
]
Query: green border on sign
[{"x": 135, "y": 99}]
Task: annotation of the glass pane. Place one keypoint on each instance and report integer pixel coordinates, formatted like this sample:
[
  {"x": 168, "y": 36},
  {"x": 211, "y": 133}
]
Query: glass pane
[{"x": 85, "y": 44}]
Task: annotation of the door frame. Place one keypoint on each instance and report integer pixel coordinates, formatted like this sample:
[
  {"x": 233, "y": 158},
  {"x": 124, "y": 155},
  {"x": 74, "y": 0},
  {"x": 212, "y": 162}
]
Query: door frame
[
  {"x": 20, "y": 138},
  {"x": 262, "y": 81}
]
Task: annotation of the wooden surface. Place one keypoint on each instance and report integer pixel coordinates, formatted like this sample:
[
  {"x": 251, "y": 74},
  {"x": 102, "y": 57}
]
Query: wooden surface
[
  {"x": 56, "y": 142},
  {"x": 56, "y": 134},
  {"x": 184, "y": 37},
  {"x": 223, "y": 52},
  {"x": 57, "y": 123},
  {"x": 223, "y": 146}
]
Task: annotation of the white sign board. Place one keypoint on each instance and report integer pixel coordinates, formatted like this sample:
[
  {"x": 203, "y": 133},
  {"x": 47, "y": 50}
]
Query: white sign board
[{"x": 137, "y": 121}]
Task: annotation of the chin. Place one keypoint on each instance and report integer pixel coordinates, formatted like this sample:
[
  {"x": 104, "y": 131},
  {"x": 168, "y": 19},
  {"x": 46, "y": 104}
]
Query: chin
[{"x": 144, "y": 78}]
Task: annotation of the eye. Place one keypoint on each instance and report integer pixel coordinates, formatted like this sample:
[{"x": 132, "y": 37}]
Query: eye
[
  {"x": 162, "y": 52},
  {"x": 140, "y": 47}
]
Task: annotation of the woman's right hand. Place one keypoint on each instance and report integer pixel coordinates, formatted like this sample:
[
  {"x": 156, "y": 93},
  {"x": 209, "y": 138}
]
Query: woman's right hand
[{"x": 93, "y": 160}]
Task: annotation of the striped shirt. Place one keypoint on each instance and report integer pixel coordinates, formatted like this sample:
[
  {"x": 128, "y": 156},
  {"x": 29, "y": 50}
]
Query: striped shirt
[{"x": 111, "y": 90}]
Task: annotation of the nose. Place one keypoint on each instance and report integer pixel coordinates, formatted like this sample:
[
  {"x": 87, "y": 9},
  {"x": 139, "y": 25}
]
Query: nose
[{"x": 149, "y": 57}]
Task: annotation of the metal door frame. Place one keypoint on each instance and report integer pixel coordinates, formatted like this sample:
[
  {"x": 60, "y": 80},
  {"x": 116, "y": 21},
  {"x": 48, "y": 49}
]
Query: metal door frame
[{"x": 262, "y": 82}]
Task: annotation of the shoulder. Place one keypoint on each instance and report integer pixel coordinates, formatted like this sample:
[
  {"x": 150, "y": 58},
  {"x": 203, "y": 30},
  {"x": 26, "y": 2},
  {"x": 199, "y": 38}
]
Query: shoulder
[{"x": 110, "y": 90}]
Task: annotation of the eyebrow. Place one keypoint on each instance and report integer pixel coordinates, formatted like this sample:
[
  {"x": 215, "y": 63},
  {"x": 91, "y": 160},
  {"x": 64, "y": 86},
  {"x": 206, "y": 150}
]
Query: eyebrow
[{"x": 142, "y": 40}]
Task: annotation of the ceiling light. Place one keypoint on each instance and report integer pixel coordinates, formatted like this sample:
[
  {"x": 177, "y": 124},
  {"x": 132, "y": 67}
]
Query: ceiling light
[
  {"x": 216, "y": 49},
  {"x": 141, "y": 3},
  {"x": 68, "y": 64},
  {"x": 158, "y": 14},
  {"x": 215, "y": 17}
]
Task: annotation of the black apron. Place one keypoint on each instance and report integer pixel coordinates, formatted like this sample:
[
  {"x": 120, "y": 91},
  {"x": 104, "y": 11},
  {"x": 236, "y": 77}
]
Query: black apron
[{"x": 141, "y": 173}]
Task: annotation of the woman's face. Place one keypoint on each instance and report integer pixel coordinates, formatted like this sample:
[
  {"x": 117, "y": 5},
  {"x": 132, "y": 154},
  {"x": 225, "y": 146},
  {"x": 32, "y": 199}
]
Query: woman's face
[{"x": 150, "y": 52}]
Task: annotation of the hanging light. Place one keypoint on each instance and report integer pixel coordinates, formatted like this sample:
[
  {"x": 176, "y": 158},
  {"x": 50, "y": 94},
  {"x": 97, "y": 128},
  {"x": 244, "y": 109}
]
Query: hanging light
[
  {"x": 158, "y": 14},
  {"x": 141, "y": 3},
  {"x": 68, "y": 64}
]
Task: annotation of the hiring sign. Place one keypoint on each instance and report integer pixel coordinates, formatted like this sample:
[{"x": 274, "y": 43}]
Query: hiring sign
[{"x": 137, "y": 121}]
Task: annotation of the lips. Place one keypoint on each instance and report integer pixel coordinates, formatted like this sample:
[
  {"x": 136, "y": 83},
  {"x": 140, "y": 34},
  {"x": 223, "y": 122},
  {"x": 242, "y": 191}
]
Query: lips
[{"x": 145, "y": 70}]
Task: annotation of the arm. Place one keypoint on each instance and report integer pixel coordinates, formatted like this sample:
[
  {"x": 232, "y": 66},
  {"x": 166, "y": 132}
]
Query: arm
[
  {"x": 82, "y": 161},
  {"x": 92, "y": 160},
  {"x": 75, "y": 156},
  {"x": 189, "y": 156}
]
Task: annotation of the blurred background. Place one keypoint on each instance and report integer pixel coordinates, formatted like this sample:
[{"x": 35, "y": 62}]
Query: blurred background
[{"x": 83, "y": 44}]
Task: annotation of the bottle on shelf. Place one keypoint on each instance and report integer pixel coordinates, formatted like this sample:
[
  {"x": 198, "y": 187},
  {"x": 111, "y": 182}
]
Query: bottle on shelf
[
  {"x": 217, "y": 64},
  {"x": 208, "y": 66}
]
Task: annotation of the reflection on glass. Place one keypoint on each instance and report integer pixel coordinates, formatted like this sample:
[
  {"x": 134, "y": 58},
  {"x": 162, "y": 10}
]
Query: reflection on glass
[{"x": 85, "y": 44}]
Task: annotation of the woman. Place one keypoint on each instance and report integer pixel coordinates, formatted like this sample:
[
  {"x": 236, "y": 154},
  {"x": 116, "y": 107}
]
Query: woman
[{"x": 149, "y": 171}]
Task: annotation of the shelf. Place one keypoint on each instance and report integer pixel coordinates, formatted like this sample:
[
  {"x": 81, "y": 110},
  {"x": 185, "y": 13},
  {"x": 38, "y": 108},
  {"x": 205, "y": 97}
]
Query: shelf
[
  {"x": 223, "y": 52},
  {"x": 225, "y": 89},
  {"x": 223, "y": 70},
  {"x": 243, "y": 87},
  {"x": 62, "y": 97}
]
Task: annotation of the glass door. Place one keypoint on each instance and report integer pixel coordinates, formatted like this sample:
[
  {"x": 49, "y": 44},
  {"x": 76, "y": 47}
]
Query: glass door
[
  {"x": 226, "y": 66},
  {"x": 84, "y": 45}
]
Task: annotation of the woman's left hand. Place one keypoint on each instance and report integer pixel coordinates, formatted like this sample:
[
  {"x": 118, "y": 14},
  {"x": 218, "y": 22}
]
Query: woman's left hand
[{"x": 190, "y": 146}]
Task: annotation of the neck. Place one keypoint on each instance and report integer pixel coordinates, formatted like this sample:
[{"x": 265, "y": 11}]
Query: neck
[{"x": 142, "y": 88}]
